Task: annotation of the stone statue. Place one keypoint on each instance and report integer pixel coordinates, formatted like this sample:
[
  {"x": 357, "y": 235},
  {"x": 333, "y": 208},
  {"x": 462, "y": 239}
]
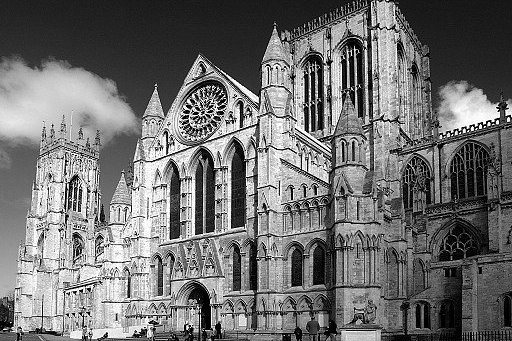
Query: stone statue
[{"x": 370, "y": 312}]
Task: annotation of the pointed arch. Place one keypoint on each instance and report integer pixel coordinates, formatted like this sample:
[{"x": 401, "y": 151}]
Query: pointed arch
[
  {"x": 417, "y": 183},
  {"x": 393, "y": 273},
  {"x": 204, "y": 191},
  {"x": 312, "y": 69},
  {"x": 172, "y": 177},
  {"x": 237, "y": 268},
  {"x": 238, "y": 185},
  {"x": 351, "y": 68},
  {"x": 74, "y": 194}
]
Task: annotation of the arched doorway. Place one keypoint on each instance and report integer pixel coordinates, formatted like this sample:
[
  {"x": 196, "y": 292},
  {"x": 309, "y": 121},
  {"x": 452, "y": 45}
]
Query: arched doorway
[{"x": 199, "y": 297}]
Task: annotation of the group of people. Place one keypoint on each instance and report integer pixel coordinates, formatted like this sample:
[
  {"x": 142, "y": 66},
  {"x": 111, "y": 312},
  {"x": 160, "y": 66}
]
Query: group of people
[
  {"x": 313, "y": 328},
  {"x": 188, "y": 331},
  {"x": 87, "y": 334}
]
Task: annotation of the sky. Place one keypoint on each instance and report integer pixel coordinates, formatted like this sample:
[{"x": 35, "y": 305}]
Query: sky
[{"x": 68, "y": 57}]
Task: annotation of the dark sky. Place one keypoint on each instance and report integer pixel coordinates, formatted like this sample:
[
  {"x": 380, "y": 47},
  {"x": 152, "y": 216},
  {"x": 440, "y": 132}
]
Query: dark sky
[{"x": 138, "y": 43}]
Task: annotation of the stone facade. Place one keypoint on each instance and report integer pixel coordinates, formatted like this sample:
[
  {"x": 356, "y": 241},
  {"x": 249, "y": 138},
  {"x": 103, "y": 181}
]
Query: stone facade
[{"x": 331, "y": 188}]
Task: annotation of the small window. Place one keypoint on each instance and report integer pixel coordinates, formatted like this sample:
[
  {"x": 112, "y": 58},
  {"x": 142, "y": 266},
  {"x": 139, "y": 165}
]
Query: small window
[
  {"x": 304, "y": 191},
  {"x": 507, "y": 311},
  {"x": 422, "y": 315},
  {"x": 447, "y": 315},
  {"x": 291, "y": 193}
]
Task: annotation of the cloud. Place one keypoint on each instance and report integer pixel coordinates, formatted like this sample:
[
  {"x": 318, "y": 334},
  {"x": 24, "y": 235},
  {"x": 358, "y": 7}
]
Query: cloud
[
  {"x": 31, "y": 95},
  {"x": 463, "y": 104},
  {"x": 5, "y": 160}
]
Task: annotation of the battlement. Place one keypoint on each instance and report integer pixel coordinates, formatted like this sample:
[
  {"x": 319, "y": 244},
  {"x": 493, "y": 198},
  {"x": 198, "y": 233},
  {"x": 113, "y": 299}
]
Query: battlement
[
  {"x": 327, "y": 18},
  {"x": 472, "y": 128}
]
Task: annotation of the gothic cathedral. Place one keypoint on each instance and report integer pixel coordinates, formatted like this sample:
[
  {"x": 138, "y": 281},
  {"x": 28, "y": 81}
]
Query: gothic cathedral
[{"x": 329, "y": 189}]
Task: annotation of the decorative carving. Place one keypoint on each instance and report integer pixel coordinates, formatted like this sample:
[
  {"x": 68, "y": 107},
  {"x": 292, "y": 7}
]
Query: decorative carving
[{"x": 202, "y": 112}]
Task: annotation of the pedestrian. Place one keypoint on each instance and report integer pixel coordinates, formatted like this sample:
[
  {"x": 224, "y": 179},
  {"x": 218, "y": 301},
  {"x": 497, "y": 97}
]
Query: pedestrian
[
  {"x": 218, "y": 330},
  {"x": 185, "y": 327},
  {"x": 313, "y": 328},
  {"x": 331, "y": 332},
  {"x": 84, "y": 333},
  {"x": 19, "y": 333},
  {"x": 298, "y": 333},
  {"x": 191, "y": 333},
  {"x": 153, "y": 332},
  {"x": 90, "y": 334},
  {"x": 150, "y": 333}
]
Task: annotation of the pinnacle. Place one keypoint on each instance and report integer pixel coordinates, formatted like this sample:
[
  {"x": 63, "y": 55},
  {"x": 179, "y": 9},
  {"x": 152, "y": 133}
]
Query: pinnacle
[
  {"x": 154, "y": 107},
  {"x": 349, "y": 122},
  {"x": 122, "y": 193},
  {"x": 275, "y": 50}
]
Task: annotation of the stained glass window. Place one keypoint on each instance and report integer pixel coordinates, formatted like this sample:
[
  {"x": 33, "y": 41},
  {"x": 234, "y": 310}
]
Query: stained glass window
[
  {"x": 318, "y": 266},
  {"x": 237, "y": 268},
  {"x": 313, "y": 94},
  {"x": 416, "y": 184},
  {"x": 468, "y": 171},
  {"x": 238, "y": 188}
]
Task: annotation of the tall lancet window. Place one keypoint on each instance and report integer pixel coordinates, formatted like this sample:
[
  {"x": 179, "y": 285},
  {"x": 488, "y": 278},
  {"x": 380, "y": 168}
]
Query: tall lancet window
[
  {"x": 237, "y": 269},
  {"x": 417, "y": 110},
  {"x": 78, "y": 248},
  {"x": 313, "y": 94},
  {"x": 74, "y": 195},
  {"x": 352, "y": 75},
  {"x": 402, "y": 89},
  {"x": 238, "y": 188},
  {"x": 469, "y": 171},
  {"x": 204, "y": 195},
  {"x": 174, "y": 204},
  {"x": 159, "y": 276},
  {"x": 416, "y": 184}
]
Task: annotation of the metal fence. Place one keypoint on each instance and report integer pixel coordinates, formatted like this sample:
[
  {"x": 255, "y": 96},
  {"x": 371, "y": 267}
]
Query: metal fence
[{"x": 491, "y": 335}]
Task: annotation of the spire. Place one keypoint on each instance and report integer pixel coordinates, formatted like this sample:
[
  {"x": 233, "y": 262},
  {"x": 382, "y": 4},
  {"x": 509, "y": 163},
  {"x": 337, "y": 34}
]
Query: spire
[
  {"x": 87, "y": 143},
  {"x": 502, "y": 109},
  {"x": 154, "y": 107},
  {"x": 80, "y": 134},
  {"x": 122, "y": 193},
  {"x": 349, "y": 122},
  {"x": 275, "y": 49},
  {"x": 52, "y": 132},
  {"x": 97, "y": 141},
  {"x": 43, "y": 133},
  {"x": 63, "y": 126}
]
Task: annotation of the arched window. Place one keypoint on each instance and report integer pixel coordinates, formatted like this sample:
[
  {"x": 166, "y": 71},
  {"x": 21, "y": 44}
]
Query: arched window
[
  {"x": 166, "y": 141},
  {"x": 507, "y": 310},
  {"x": 237, "y": 269},
  {"x": 353, "y": 144},
  {"x": 159, "y": 276},
  {"x": 352, "y": 75},
  {"x": 291, "y": 193},
  {"x": 468, "y": 171},
  {"x": 393, "y": 274},
  {"x": 253, "y": 267},
  {"x": 78, "y": 248},
  {"x": 417, "y": 110},
  {"x": 119, "y": 214},
  {"x": 418, "y": 276},
  {"x": 296, "y": 268},
  {"x": 313, "y": 94},
  {"x": 171, "y": 270},
  {"x": 128, "y": 283},
  {"x": 74, "y": 195},
  {"x": 318, "y": 266},
  {"x": 422, "y": 315},
  {"x": 457, "y": 244},
  {"x": 402, "y": 88},
  {"x": 204, "y": 195},
  {"x": 238, "y": 188},
  {"x": 174, "y": 204},
  {"x": 99, "y": 247},
  {"x": 304, "y": 191},
  {"x": 447, "y": 315},
  {"x": 240, "y": 109},
  {"x": 416, "y": 184},
  {"x": 40, "y": 245},
  {"x": 343, "y": 151},
  {"x": 125, "y": 210}
]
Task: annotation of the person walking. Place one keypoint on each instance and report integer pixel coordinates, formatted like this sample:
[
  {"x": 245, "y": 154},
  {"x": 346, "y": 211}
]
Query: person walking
[
  {"x": 150, "y": 334},
  {"x": 19, "y": 333},
  {"x": 332, "y": 331},
  {"x": 84, "y": 333},
  {"x": 313, "y": 328},
  {"x": 298, "y": 333},
  {"x": 89, "y": 332},
  {"x": 218, "y": 331}
]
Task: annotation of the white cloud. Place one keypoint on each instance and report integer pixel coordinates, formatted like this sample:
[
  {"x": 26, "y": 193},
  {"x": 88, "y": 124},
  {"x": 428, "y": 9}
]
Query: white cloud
[
  {"x": 463, "y": 104},
  {"x": 31, "y": 95}
]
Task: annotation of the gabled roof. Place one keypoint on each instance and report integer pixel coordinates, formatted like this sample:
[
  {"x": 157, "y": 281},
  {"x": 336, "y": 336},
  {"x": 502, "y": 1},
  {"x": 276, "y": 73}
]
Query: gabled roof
[
  {"x": 139, "y": 152},
  {"x": 122, "y": 194},
  {"x": 275, "y": 49},
  {"x": 154, "y": 107},
  {"x": 349, "y": 123}
]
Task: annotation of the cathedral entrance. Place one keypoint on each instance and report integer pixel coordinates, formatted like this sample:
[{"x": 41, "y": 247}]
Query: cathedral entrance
[{"x": 200, "y": 314}]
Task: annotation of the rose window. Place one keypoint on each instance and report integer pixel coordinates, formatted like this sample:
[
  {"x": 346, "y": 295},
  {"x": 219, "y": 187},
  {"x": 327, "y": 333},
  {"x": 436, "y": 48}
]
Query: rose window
[{"x": 202, "y": 112}]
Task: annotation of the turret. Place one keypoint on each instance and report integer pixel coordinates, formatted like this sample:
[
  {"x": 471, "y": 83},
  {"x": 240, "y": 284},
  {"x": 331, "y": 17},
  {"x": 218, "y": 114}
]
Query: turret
[
  {"x": 152, "y": 119},
  {"x": 120, "y": 205},
  {"x": 275, "y": 75},
  {"x": 349, "y": 148}
]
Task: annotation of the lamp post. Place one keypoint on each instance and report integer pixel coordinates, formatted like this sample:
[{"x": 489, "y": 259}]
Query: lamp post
[
  {"x": 200, "y": 331},
  {"x": 42, "y": 310},
  {"x": 83, "y": 316}
]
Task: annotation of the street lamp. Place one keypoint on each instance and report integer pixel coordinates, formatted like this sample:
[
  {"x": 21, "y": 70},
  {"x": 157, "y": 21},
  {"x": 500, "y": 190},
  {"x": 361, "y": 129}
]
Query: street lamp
[{"x": 83, "y": 316}]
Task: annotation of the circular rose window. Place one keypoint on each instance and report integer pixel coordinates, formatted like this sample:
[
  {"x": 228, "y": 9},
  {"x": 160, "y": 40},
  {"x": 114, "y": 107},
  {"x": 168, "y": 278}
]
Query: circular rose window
[{"x": 202, "y": 112}]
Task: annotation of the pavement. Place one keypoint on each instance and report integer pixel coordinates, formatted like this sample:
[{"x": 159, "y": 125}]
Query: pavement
[{"x": 4, "y": 336}]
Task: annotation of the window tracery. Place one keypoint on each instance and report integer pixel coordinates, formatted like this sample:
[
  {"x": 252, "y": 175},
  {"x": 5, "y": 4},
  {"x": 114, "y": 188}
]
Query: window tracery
[
  {"x": 159, "y": 276},
  {"x": 99, "y": 246},
  {"x": 468, "y": 172},
  {"x": 74, "y": 195},
  {"x": 253, "y": 267},
  {"x": 237, "y": 269},
  {"x": 352, "y": 75},
  {"x": 313, "y": 94},
  {"x": 78, "y": 248},
  {"x": 204, "y": 195},
  {"x": 318, "y": 266},
  {"x": 422, "y": 315},
  {"x": 457, "y": 244},
  {"x": 416, "y": 184}
]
